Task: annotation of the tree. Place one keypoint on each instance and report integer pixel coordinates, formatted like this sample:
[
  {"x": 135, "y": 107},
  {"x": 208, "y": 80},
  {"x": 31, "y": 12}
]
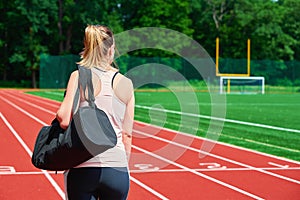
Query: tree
[
  {"x": 33, "y": 28},
  {"x": 74, "y": 15},
  {"x": 29, "y": 28},
  {"x": 211, "y": 19},
  {"x": 290, "y": 25},
  {"x": 5, "y": 11},
  {"x": 168, "y": 14},
  {"x": 55, "y": 27}
]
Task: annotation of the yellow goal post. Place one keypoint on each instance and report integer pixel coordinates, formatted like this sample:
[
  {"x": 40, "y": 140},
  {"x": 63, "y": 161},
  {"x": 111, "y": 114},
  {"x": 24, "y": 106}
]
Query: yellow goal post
[{"x": 226, "y": 74}]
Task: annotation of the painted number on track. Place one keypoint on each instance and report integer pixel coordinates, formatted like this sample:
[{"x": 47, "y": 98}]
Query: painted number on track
[
  {"x": 213, "y": 165},
  {"x": 278, "y": 165},
  {"x": 7, "y": 169},
  {"x": 146, "y": 167}
]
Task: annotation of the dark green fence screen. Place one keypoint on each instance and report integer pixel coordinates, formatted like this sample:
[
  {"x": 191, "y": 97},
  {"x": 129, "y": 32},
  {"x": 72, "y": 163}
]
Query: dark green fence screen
[{"x": 55, "y": 70}]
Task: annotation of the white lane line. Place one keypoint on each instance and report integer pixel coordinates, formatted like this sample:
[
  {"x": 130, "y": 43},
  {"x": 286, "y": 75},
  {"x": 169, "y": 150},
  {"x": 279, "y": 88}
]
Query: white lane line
[
  {"x": 219, "y": 157},
  {"x": 35, "y": 98},
  {"x": 214, "y": 170},
  {"x": 133, "y": 171},
  {"x": 43, "y": 123},
  {"x": 198, "y": 173},
  {"x": 54, "y": 93},
  {"x": 31, "y": 104},
  {"x": 24, "y": 111},
  {"x": 221, "y": 119},
  {"x": 148, "y": 188},
  {"x": 263, "y": 144},
  {"x": 29, "y": 152}
]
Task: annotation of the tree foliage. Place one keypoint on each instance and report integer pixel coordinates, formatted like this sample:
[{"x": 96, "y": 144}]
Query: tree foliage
[{"x": 32, "y": 27}]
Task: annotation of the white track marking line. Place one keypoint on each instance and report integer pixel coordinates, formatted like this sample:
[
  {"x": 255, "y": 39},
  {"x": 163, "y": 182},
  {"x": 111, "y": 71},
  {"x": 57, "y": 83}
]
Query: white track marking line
[
  {"x": 148, "y": 188},
  {"x": 33, "y": 105},
  {"x": 24, "y": 111},
  {"x": 214, "y": 170},
  {"x": 37, "y": 99},
  {"x": 44, "y": 124},
  {"x": 198, "y": 173},
  {"x": 29, "y": 152},
  {"x": 222, "y": 119},
  {"x": 263, "y": 144},
  {"x": 54, "y": 93},
  {"x": 161, "y": 170},
  {"x": 219, "y": 157}
]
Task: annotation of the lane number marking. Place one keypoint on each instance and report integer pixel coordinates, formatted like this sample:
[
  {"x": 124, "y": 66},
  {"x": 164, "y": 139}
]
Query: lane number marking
[
  {"x": 213, "y": 165},
  {"x": 146, "y": 167},
  {"x": 7, "y": 169},
  {"x": 278, "y": 165}
]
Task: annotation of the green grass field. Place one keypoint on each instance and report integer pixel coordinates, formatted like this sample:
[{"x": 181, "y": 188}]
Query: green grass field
[{"x": 268, "y": 123}]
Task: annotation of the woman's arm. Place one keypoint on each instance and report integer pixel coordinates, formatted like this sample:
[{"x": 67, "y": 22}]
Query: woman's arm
[
  {"x": 64, "y": 112},
  {"x": 124, "y": 90},
  {"x": 127, "y": 126}
]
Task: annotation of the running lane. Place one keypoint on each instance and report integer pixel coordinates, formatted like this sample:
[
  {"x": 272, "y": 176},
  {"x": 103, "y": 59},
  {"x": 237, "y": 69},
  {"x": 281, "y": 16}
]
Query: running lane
[
  {"x": 25, "y": 115},
  {"x": 259, "y": 174},
  {"x": 18, "y": 177}
]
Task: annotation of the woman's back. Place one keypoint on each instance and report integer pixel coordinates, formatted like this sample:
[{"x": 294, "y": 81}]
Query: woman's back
[{"x": 114, "y": 107}]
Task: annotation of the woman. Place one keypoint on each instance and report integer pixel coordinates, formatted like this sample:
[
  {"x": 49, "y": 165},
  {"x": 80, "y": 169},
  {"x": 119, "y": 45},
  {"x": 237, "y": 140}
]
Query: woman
[{"x": 105, "y": 176}]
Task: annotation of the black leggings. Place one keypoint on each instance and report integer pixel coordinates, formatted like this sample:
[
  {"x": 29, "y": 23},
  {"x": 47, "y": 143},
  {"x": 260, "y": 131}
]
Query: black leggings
[{"x": 93, "y": 183}]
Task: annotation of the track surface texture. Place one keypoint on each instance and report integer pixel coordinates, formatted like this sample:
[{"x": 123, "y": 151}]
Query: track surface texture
[{"x": 164, "y": 164}]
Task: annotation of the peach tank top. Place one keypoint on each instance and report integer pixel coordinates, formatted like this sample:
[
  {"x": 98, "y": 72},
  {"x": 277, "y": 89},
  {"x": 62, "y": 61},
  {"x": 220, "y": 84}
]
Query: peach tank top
[{"x": 115, "y": 110}]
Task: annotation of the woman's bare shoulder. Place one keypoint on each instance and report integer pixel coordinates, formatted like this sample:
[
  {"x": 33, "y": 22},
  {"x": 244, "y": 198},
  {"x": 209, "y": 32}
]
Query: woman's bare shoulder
[
  {"x": 123, "y": 88},
  {"x": 123, "y": 81},
  {"x": 74, "y": 74}
]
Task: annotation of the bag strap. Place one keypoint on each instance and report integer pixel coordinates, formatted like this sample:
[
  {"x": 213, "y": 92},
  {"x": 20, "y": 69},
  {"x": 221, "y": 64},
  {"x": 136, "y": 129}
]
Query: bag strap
[{"x": 85, "y": 82}]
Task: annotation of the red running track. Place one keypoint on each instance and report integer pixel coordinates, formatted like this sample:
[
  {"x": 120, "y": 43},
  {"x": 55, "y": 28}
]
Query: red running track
[{"x": 164, "y": 164}]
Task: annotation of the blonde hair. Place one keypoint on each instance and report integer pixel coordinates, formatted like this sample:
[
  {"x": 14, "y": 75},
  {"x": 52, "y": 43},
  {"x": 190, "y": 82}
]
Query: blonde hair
[{"x": 97, "y": 41}]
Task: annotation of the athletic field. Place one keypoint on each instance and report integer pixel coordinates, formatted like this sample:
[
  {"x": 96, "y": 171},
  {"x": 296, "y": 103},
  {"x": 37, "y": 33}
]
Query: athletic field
[
  {"x": 254, "y": 156},
  {"x": 268, "y": 123}
]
